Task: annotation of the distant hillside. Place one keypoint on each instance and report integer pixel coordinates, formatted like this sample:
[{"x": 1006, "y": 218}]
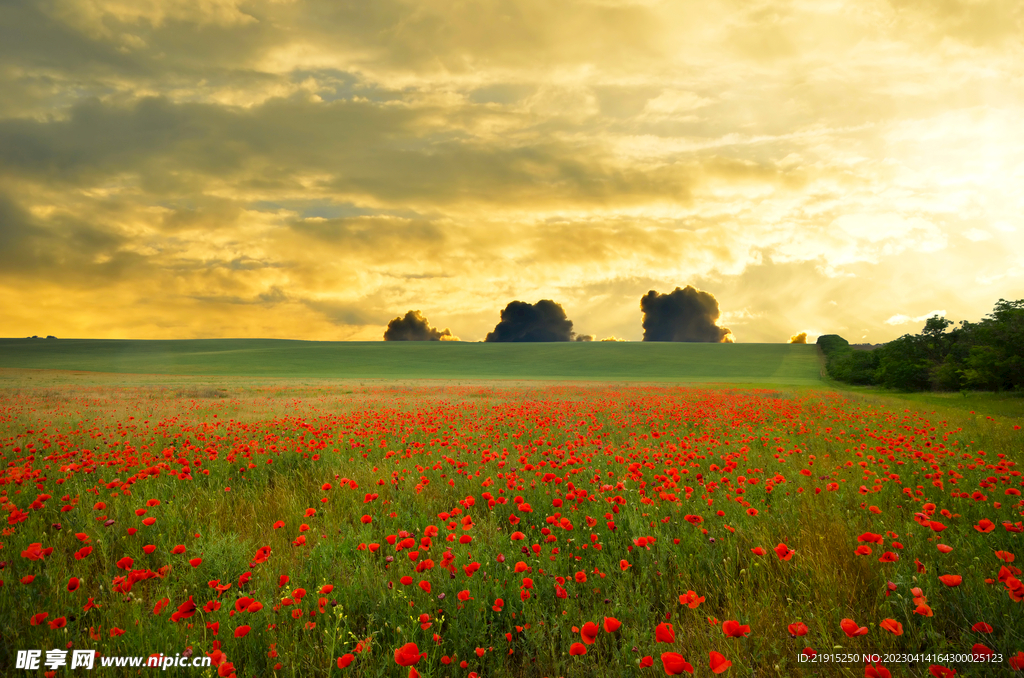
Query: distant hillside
[{"x": 654, "y": 361}]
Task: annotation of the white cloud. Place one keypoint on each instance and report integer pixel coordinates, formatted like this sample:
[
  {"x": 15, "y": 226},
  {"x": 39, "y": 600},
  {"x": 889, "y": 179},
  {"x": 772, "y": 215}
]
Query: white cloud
[{"x": 901, "y": 319}]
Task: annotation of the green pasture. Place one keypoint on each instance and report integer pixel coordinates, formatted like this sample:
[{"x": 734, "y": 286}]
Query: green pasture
[{"x": 784, "y": 364}]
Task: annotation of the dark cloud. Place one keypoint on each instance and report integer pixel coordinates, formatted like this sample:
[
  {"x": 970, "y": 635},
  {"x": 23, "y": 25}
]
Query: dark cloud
[
  {"x": 358, "y": 149},
  {"x": 682, "y": 315},
  {"x": 543, "y": 321},
  {"x": 343, "y": 313},
  {"x": 414, "y": 327},
  {"x": 60, "y": 247}
]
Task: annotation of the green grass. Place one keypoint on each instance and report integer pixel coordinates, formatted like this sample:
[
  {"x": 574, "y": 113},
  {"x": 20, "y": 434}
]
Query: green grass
[
  {"x": 783, "y": 364},
  {"x": 979, "y": 403}
]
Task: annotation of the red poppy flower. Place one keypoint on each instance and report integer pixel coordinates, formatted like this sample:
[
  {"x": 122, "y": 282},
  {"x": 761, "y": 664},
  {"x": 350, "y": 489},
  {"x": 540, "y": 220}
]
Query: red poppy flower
[
  {"x": 35, "y": 551},
  {"x": 691, "y": 599},
  {"x": 982, "y": 627},
  {"x": 951, "y": 579},
  {"x": 979, "y": 651},
  {"x": 589, "y": 633},
  {"x": 718, "y": 662},
  {"x": 1017, "y": 661},
  {"x": 888, "y": 557},
  {"x": 943, "y": 672},
  {"x": 73, "y": 584},
  {"x": 185, "y": 610},
  {"x": 408, "y": 654},
  {"x": 863, "y": 550},
  {"x": 577, "y": 649},
  {"x": 851, "y": 629},
  {"x": 758, "y": 551},
  {"x": 784, "y": 552},
  {"x": 425, "y": 585},
  {"x": 944, "y": 549},
  {"x": 646, "y": 662},
  {"x": 344, "y": 660},
  {"x": 498, "y": 604},
  {"x": 733, "y": 629},
  {"x": 876, "y": 670},
  {"x": 624, "y": 565},
  {"x": 675, "y": 664},
  {"x": 37, "y": 619},
  {"x": 664, "y": 633},
  {"x": 985, "y": 525},
  {"x": 464, "y": 596},
  {"x": 611, "y": 624},
  {"x": 58, "y": 623},
  {"x": 798, "y": 629},
  {"x": 892, "y": 626}
]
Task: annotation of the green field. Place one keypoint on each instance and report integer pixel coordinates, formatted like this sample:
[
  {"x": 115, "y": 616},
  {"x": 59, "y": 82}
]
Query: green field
[{"x": 784, "y": 364}]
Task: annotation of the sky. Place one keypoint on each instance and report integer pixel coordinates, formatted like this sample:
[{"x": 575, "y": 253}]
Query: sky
[{"x": 312, "y": 169}]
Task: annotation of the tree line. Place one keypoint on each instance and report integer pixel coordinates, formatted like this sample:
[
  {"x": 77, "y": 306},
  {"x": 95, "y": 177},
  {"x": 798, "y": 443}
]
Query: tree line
[{"x": 986, "y": 355}]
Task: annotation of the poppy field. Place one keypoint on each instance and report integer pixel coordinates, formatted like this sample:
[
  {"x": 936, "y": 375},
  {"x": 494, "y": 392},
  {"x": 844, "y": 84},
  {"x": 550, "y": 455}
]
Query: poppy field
[{"x": 497, "y": 529}]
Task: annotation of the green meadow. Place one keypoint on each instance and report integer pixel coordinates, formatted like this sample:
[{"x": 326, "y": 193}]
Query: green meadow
[
  {"x": 253, "y": 506},
  {"x": 783, "y": 364}
]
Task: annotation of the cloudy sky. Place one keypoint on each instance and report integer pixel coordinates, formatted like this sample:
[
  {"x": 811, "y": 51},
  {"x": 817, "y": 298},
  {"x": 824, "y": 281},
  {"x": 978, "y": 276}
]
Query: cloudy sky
[{"x": 311, "y": 169}]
